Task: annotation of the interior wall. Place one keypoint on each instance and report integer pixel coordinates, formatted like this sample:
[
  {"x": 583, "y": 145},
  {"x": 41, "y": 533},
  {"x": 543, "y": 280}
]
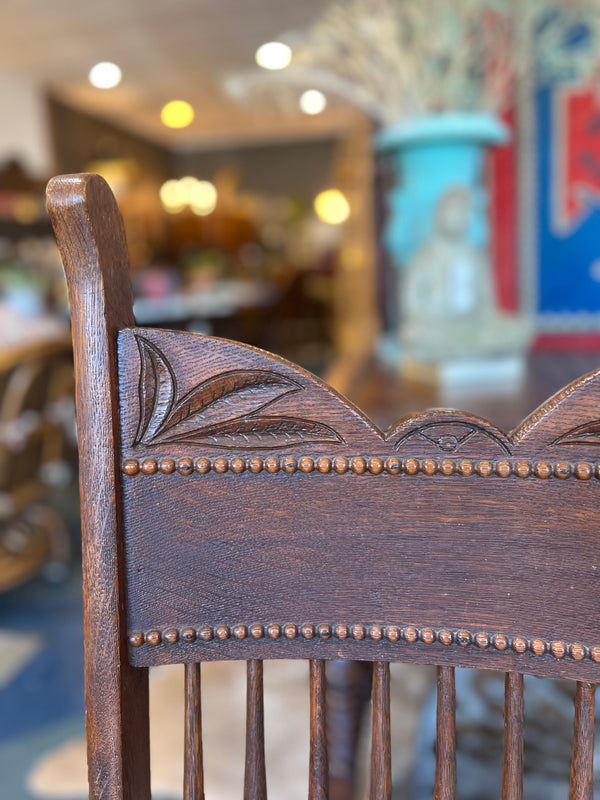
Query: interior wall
[
  {"x": 296, "y": 168},
  {"x": 80, "y": 138},
  {"x": 25, "y": 130}
]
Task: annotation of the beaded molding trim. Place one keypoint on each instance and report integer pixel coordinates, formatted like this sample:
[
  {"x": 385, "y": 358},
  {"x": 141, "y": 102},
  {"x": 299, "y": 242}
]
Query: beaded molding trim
[
  {"x": 360, "y": 465},
  {"x": 390, "y": 633}
]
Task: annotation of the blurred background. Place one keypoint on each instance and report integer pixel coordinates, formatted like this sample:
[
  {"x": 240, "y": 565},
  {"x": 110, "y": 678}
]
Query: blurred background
[{"x": 402, "y": 196}]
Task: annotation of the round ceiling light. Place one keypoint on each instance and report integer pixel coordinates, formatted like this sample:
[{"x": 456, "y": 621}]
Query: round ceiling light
[
  {"x": 273, "y": 55},
  {"x": 203, "y": 198},
  {"x": 105, "y": 75},
  {"x": 177, "y": 114},
  {"x": 332, "y": 207},
  {"x": 313, "y": 101}
]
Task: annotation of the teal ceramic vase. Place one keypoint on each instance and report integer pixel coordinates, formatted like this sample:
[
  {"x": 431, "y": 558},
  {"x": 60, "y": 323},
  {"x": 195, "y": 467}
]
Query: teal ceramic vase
[
  {"x": 431, "y": 156},
  {"x": 437, "y": 234}
]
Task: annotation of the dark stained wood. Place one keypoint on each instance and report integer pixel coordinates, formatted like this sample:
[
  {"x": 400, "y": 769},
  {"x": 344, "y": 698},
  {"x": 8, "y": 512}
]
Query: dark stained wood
[
  {"x": 348, "y": 696},
  {"x": 318, "y": 773},
  {"x": 94, "y": 254},
  {"x": 582, "y": 764},
  {"x": 512, "y": 766},
  {"x": 381, "y": 749},
  {"x": 255, "y": 776},
  {"x": 445, "y": 741},
  {"x": 241, "y": 442},
  {"x": 235, "y": 507},
  {"x": 193, "y": 768}
]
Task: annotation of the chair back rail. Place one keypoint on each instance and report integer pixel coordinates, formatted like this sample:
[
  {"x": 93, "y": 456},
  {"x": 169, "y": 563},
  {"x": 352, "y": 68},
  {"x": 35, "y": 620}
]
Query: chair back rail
[{"x": 235, "y": 507}]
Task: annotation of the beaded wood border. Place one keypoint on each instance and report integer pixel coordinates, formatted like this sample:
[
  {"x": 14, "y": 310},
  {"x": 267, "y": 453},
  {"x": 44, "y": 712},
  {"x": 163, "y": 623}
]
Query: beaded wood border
[
  {"x": 390, "y": 633},
  {"x": 361, "y": 465}
]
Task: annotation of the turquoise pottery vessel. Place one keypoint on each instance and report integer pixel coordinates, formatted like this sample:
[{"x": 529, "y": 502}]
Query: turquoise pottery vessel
[{"x": 430, "y": 156}]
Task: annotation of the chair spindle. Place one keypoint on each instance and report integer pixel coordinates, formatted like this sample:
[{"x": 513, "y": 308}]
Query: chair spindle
[
  {"x": 318, "y": 779},
  {"x": 193, "y": 772},
  {"x": 512, "y": 766},
  {"x": 381, "y": 751},
  {"x": 582, "y": 763},
  {"x": 445, "y": 740},
  {"x": 255, "y": 777}
]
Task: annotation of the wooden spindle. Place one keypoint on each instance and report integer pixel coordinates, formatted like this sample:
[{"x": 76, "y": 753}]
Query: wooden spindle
[
  {"x": 512, "y": 766},
  {"x": 193, "y": 773},
  {"x": 445, "y": 741},
  {"x": 255, "y": 776},
  {"x": 582, "y": 762},
  {"x": 381, "y": 751},
  {"x": 318, "y": 779}
]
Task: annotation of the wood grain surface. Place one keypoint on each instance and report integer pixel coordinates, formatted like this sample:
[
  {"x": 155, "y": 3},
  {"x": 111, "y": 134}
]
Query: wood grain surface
[
  {"x": 582, "y": 763},
  {"x": 512, "y": 764},
  {"x": 445, "y": 740},
  {"x": 94, "y": 254},
  {"x": 263, "y": 498},
  {"x": 193, "y": 763},
  {"x": 318, "y": 770},
  {"x": 381, "y": 745},
  {"x": 255, "y": 776}
]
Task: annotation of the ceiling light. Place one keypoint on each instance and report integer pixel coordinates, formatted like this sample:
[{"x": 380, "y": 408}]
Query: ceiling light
[
  {"x": 313, "y": 101},
  {"x": 332, "y": 207},
  {"x": 273, "y": 55},
  {"x": 203, "y": 198},
  {"x": 173, "y": 196},
  {"x": 105, "y": 75},
  {"x": 177, "y": 114}
]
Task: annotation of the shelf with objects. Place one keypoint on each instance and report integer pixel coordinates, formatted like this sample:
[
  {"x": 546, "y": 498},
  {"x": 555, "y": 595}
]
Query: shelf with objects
[{"x": 37, "y": 423}]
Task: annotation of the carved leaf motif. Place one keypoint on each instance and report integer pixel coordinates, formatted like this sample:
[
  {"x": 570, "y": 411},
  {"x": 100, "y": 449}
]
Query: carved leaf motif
[
  {"x": 157, "y": 390},
  {"x": 259, "y": 432},
  {"x": 227, "y": 396},
  {"x": 589, "y": 433},
  {"x": 448, "y": 436},
  {"x": 219, "y": 411}
]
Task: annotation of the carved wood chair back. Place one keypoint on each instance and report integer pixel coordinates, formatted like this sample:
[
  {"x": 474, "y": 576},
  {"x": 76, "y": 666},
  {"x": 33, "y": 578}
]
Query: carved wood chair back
[{"x": 235, "y": 507}]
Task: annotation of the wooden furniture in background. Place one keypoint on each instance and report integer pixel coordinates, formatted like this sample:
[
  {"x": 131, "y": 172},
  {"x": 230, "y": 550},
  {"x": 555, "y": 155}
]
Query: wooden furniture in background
[
  {"x": 36, "y": 447},
  {"x": 235, "y": 507}
]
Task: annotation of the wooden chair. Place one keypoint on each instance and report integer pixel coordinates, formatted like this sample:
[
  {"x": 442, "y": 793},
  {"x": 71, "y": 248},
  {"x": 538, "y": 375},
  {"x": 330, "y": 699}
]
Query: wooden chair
[
  {"x": 235, "y": 507},
  {"x": 36, "y": 396}
]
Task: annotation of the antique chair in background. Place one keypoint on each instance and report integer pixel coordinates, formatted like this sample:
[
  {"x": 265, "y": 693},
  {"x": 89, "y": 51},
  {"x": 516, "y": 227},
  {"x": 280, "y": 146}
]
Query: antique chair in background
[
  {"x": 37, "y": 450},
  {"x": 235, "y": 507}
]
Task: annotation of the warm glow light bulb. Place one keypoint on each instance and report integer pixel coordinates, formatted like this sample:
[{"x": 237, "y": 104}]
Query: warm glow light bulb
[
  {"x": 173, "y": 196},
  {"x": 177, "y": 114},
  {"x": 203, "y": 198},
  {"x": 105, "y": 75},
  {"x": 313, "y": 101},
  {"x": 273, "y": 55},
  {"x": 332, "y": 207}
]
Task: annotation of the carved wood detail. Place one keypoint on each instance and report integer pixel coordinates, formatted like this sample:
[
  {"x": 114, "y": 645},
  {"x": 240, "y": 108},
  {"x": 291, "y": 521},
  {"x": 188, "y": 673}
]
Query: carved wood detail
[
  {"x": 409, "y": 634},
  {"x": 448, "y": 436},
  {"x": 269, "y": 404},
  {"x": 586, "y": 434},
  {"x": 363, "y": 465},
  {"x": 222, "y": 411}
]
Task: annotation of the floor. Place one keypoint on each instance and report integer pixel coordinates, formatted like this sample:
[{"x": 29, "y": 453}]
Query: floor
[{"x": 42, "y": 750}]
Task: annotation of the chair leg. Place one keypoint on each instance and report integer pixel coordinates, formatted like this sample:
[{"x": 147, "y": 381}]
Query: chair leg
[{"x": 348, "y": 694}]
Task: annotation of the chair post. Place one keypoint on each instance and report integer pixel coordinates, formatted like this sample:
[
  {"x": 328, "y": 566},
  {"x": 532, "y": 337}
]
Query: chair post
[{"x": 94, "y": 254}]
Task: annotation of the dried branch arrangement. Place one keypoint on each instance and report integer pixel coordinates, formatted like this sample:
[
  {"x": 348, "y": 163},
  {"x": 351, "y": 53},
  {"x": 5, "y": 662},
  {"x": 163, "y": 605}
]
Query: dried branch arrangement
[{"x": 404, "y": 58}]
